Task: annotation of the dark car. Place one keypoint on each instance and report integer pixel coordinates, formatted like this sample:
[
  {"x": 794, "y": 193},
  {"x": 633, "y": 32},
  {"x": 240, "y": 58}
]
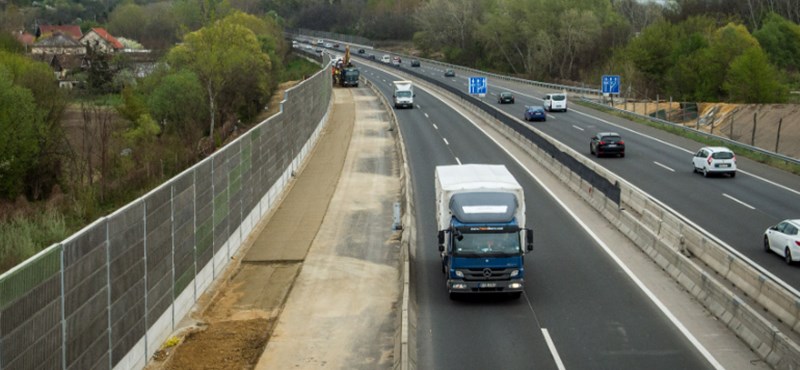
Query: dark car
[
  {"x": 361, "y": 51},
  {"x": 449, "y": 73},
  {"x": 371, "y": 56},
  {"x": 336, "y": 46},
  {"x": 414, "y": 63},
  {"x": 505, "y": 97},
  {"x": 607, "y": 143},
  {"x": 535, "y": 113}
]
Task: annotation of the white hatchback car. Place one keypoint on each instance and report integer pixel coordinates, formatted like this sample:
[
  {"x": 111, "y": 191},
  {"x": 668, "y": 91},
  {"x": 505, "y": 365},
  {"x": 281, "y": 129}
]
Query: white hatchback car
[
  {"x": 714, "y": 159},
  {"x": 784, "y": 240}
]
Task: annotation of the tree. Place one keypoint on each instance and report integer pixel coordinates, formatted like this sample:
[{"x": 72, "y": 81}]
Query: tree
[
  {"x": 21, "y": 126},
  {"x": 177, "y": 102},
  {"x": 780, "y": 38},
  {"x": 128, "y": 20},
  {"x": 751, "y": 79},
  {"x": 221, "y": 54}
]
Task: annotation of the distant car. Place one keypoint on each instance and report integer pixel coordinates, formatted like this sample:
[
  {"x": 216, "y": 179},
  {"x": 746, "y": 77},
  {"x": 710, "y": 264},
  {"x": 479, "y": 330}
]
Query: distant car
[
  {"x": 784, "y": 239},
  {"x": 386, "y": 58},
  {"x": 328, "y": 45},
  {"x": 449, "y": 73},
  {"x": 318, "y": 50},
  {"x": 713, "y": 160},
  {"x": 607, "y": 143},
  {"x": 505, "y": 97},
  {"x": 396, "y": 61},
  {"x": 336, "y": 46},
  {"x": 414, "y": 63},
  {"x": 361, "y": 51},
  {"x": 535, "y": 113},
  {"x": 371, "y": 56},
  {"x": 555, "y": 102}
]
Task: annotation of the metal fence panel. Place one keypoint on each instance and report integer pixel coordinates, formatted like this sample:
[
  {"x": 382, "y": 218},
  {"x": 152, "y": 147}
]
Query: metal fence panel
[
  {"x": 86, "y": 309},
  {"x": 234, "y": 185},
  {"x": 204, "y": 202},
  {"x": 30, "y": 313},
  {"x": 158, "y": 252},
  {"x": 183, "y": 232},
  {"x": 221, "y": 202},
  {"x": 126, "y": 270}
]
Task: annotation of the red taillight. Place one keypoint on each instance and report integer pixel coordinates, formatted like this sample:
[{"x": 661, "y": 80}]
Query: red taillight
[
  {"x": 709, "y": 160},
  {"x": 797, "y": 242},
  {"x": 621, "y": 142},
  {"x": 602, "y": 143},
  {"x": 734, "y": 158}
]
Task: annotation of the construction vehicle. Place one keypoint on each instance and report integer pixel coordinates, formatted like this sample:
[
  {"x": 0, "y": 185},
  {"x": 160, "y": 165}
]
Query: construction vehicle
[{"x": 345, "y": 73}]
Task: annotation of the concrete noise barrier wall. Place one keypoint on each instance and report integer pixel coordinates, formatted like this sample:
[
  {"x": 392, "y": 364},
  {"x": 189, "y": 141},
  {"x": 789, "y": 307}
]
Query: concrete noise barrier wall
[{"x": 109, "y": 295}]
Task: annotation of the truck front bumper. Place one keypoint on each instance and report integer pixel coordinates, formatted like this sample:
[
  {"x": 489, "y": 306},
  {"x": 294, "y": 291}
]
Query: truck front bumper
[{"x": 492, "y": 286}]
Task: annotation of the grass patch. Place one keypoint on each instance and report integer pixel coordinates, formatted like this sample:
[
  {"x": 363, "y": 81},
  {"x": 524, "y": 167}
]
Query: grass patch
[
  {"x": 740, "y": 150},
  {"x": 298, "y": 68},
  {"x": 22, "y": 237}
]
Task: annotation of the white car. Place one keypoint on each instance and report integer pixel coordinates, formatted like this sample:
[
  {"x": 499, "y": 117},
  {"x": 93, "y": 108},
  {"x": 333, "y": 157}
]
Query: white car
[
  {"x": 714, "y": 159},
  {"x": 555, "y": 101},
  {"x": 386, "y": 58},
  {"x": 784, "y": 240}
]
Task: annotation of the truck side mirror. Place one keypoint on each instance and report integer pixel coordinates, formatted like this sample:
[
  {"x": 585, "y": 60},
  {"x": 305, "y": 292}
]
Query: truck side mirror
[
  {"x": 529, "y": 239},
  {"x": 441, "y": 241}
]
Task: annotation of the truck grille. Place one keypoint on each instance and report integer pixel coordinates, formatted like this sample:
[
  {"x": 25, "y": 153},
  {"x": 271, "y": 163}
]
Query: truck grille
[{"x": 484, "y": 274}]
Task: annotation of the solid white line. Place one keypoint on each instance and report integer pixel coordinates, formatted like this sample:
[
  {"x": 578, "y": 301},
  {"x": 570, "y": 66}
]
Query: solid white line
[
  {"x": 700, "y": 348},
  {"x": 426, "y": 115},
  {"x": 458, "y": 160},
  {"x": 577, "y": 127},
  {"x": 553, "y": 349},
  {"x": 668, "y": 169},
  {"x": 445, "y": 141},
  {"x": 436, "y": 127},
  {"x": 738, "y": 201}
]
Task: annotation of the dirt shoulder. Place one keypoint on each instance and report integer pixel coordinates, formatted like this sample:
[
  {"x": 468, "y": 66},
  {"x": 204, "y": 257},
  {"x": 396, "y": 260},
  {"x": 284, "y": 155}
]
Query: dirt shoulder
[{"x": 313, "y": 265}]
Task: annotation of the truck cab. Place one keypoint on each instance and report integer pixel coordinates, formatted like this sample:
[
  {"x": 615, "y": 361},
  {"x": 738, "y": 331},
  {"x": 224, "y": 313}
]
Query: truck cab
[
  {"x": 403, "y": 95},
  {"x": 482, "y": 239}
]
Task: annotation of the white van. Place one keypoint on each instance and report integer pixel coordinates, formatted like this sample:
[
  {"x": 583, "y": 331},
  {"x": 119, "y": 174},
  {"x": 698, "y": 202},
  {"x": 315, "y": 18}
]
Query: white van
[
  {"x": 386, "y": 58},
  {"x": 555, "y": 101}
]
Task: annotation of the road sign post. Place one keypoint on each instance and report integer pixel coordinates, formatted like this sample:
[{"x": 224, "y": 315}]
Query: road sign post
[
  {"x": 477, "y": 86},
  {"x": 610, "y": 86}
]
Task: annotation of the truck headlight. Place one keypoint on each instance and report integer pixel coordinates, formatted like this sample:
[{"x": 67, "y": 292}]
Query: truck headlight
[
  {"x": 459, "y": 274},
  {"x": 514, "y": 273}
]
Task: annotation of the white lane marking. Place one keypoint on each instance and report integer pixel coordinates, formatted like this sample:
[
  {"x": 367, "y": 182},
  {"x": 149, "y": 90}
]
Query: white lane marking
[
  {"x": 553, "y": 349},
  {"x": 577, "y": 128},
  {"x": 738, "y": 201},
  {"x": 445, "y": 141},
  {"x": 667, "y": 168},
  {"x": 426, "y": 115},
  {"x": 665, "y": 143},
  {"x": 419, "y": 106},
  {"x": 707, "y": 355},
  {"x": 458, "y": 160},
  {"x": 436, "y": 127}
]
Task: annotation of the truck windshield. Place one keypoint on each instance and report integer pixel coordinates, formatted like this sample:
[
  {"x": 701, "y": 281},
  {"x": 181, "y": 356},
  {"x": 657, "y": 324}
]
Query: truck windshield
[
  {"x": 487, "y": 244},
  {"x": 403, "y": 94}
]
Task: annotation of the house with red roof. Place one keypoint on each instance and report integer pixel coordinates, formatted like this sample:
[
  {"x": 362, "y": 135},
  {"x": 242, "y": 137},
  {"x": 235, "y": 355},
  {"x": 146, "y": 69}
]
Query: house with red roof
[
  {"x": 101, "y": 41},
  {"x": 72, "y": 31}
]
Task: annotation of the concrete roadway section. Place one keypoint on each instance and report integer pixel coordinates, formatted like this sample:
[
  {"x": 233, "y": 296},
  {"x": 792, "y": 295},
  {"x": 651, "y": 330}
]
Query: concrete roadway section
[{"x": 342, "y": 310}]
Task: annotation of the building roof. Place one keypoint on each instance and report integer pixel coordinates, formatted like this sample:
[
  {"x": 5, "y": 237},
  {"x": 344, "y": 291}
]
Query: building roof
[
  {"x": 25, "y": 38},
  {"x": 107, "y": 36},
  {"x": 71, "y": 30},
  {"x": 58, "y": 40}
]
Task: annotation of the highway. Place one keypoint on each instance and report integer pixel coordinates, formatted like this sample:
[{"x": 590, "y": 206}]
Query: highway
[
  {"x": 579, "y": 310},
  {"x": 735, "y": 210}
]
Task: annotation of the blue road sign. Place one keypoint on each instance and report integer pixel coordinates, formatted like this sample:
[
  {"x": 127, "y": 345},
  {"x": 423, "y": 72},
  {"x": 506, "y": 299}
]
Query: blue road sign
[
  {"x": 611, "y": 84},
  {"x": 477, "y": 85}
]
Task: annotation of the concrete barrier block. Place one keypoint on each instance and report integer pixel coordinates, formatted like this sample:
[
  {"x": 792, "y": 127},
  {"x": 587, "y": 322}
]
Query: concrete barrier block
[
  {"x": 775, "y": 300},
  {"x": 158, "y": 332},
  {"x": 744, "y": 277},
  {"x": 136, "y": 358},
  {"x": 204, "y": 277},
  {"x": 651, "y": 221},
  {"x": 785, "y": 353},
  {"x": 184, "y": 303},
  {"x": 220, "y": 260}
]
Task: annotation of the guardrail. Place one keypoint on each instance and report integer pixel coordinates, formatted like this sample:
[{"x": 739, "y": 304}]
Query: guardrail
[{"x": 666, "y": 237}]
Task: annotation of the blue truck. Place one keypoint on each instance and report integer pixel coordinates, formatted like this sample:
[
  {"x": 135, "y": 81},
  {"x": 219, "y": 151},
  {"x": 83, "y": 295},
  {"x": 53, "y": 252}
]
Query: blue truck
[{"x": 482, "y": 235}]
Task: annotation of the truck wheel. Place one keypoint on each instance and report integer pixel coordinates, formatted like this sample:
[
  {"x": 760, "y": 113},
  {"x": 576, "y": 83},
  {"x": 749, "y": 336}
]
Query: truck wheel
[{"x": 515, "y": 295}]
